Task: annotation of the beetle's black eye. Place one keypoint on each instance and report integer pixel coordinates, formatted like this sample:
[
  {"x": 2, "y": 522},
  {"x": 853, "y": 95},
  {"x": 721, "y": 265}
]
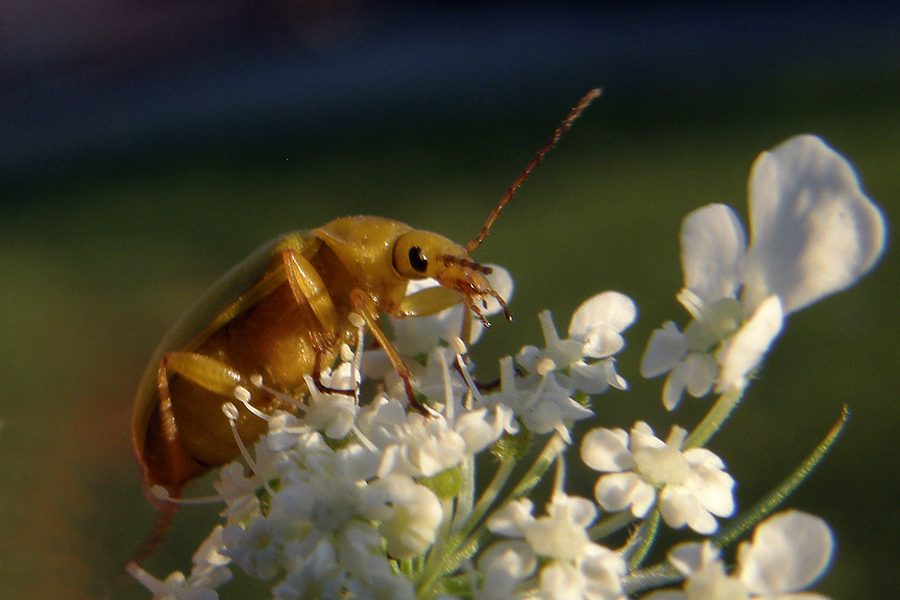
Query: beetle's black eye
[{"x": 417, "y": 259}]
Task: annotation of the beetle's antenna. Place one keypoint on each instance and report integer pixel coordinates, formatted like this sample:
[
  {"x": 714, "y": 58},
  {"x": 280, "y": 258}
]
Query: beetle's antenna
[{"x": 566, "y": 124}]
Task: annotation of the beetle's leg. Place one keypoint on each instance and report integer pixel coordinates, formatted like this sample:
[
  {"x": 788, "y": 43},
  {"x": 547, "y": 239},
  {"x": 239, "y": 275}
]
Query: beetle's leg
[
  {"x": 308, "y": 287},
  {"x": 365, "y": 307},
  {"x": 205, "y": 372},
  {"x": 317, "y": 379},
  {"x": 429, "y": 301},
  {"x": 432, "y": 301},
  {"x": 201, "y": 370}
]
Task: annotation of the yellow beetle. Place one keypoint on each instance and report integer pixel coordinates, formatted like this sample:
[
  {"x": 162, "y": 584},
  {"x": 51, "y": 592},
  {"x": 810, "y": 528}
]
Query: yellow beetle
[
  {"x": 289, "y": 320},
  {"x": 283, "y": 314}
]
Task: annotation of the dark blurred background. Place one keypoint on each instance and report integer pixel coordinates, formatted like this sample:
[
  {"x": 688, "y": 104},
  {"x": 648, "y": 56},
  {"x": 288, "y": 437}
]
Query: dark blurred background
[{"x": 148, "y": 145}]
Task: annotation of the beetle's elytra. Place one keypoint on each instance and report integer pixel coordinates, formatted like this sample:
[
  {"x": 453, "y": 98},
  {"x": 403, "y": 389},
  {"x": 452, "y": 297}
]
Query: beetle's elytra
[{"x": 283, "y": 314}]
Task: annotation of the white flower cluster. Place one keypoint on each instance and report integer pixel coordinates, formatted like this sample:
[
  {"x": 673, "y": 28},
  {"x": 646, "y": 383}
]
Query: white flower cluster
[
  {"x": 813, "y": 233},
  {"x": 374, "y": 500}
]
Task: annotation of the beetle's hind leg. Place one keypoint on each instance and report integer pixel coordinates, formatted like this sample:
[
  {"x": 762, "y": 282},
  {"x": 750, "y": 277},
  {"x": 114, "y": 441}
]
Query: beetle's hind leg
[{"x": 177, "y": 463}]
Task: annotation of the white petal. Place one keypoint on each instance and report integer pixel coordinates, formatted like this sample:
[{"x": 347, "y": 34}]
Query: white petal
[
  {"x": 602, "y": 341},
  {"x": 673, "y": 389},
  {"x": 414, "y": 513},
  {"x": 790, "y": 550},
  {"x": 606, "y": 308},
  {"x": 666, "y": 348},
  {"x": 690, "y": 557},
  {"x": 714, "y": 491},
  {"x": 580, "y": 510},
  {"x": 612, "y": 378},
  {"x": 596, "y": 378},
  {"x": 528, "y": 358},
  {"x": 712, "y": 246},
  {"x": 745, "y": 350},
  {"x": 606, "y": 450},
  {"x": 680, "y": 507},
  {"x": 643, "y": 498},
  {"x": 617, "y": 491},
  {"x": 603, "y": 570},
  {"x": 696, "y": 373},
  {"x": 506, "y": 563},
  {"x": 702, "y": 371},
  {"x": 560, "y": 581},
  {"x": 642, "y": 436},
  {"x": 813, "y": 231},
  {"x": 703, "y": 459},
  {"x": 512, "y": 519}
]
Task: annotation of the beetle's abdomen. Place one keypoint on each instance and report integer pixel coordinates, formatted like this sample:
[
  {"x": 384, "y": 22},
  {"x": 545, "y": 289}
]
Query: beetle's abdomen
[{"x": 278, "y": 339}]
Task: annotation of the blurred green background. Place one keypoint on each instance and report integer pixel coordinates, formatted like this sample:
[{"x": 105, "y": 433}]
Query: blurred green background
[{"x": 136, "y": 168}]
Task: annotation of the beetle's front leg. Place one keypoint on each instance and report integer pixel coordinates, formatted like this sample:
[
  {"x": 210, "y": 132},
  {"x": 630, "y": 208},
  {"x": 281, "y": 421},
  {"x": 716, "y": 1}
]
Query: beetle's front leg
[
  {"x": 428, "y": 301},
  {"x": 308, "y": 287},
  {"x": 433, "y": 300},
  {"x": 364, "y": 305}
]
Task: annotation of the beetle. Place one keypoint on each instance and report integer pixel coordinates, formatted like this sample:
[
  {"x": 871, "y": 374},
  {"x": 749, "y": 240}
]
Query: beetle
[{"x": 283, "y": 314}]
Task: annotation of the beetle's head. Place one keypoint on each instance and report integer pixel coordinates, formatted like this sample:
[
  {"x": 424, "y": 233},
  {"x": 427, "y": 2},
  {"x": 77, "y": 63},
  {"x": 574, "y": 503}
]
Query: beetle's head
[{"x": 422, "y": 254}]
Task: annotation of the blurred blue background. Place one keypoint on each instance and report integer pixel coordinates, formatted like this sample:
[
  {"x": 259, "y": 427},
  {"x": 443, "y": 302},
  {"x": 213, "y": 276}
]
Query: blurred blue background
[{"x": 146, "y": 146}]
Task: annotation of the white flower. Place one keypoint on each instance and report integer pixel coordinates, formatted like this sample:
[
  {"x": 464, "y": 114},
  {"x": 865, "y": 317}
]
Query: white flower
[
  {"x": 327, "y": 491},
  {"x": 594, "y": 332},
  {"x": 414, "y": 337},
  {"x": 409, "y": 513},
  {"x": 789, "y": 552},
  {"x": 177, "y": 587},
  {"x": 503, "y": 567},
  {"x": 313, "y": 577},
  {"x": 574, "y": 568},
  {"x": 437, "y": 382},
  {"x": 332, "y": 411},
  {"x": 238, "y": 492},
  {"x": 415, "y": 445},
  {"x": 690, "y": 486},
  {"x": 813, "y": 233},
  {"x": 257, "y": 549},
  {"x": 596, "y": 575},
  {"x": 210, "y": 572},
  {"x": 541, "y": 404}
]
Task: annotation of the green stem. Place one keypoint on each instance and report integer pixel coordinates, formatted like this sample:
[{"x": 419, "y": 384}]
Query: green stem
[
  {"x": 643, "y": 540},
  {"x": 651, "y": 578},
  {"x": 714, "y": 419},
  {"x": 611, "y": 525},
  {"x": 551, "y": 450},
  {"x": 490, "y": 493},
  {"x": 465, "y": 541},
  {"x": 740, "y": 525},
  {"x": 442, "y": 556}
]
